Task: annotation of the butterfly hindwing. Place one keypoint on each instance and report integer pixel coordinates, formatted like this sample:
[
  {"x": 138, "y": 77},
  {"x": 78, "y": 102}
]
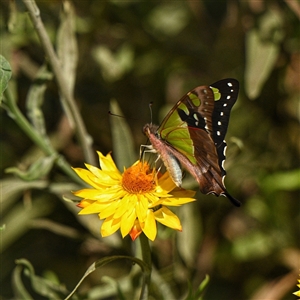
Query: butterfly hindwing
[
  {"x": 228, "y": 93},
  {"x": 229, "y": 89}
]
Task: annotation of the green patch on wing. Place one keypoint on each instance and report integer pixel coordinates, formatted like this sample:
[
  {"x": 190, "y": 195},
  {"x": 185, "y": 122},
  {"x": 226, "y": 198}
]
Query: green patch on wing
[
  {"x": 176, "y": 133},
  {"x": 217, "y": 94},
  {"x": 194, "y": 98},
  {"x": 183, "y": 107}
]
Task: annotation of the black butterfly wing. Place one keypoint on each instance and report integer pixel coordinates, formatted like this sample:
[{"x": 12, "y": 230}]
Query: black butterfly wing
[{"x": 229, "y": 89}]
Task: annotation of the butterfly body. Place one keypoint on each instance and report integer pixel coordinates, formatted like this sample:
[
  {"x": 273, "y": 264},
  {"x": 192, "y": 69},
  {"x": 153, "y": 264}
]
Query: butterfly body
[{"x": 192, "y": 136}]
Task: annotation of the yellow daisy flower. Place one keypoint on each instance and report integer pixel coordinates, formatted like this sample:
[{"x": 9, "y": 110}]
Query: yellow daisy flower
[{"x": 132, "y": 201}]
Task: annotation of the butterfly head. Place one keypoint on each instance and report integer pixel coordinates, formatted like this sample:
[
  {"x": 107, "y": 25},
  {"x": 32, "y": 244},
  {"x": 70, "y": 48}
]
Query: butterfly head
[{"x": 149, "y": 129}]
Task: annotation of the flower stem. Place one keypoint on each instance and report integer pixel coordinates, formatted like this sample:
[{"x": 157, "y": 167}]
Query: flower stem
[{"x": 146, "y": 256}]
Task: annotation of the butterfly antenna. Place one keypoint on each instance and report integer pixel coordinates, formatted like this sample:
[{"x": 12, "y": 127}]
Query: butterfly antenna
[
  {"x": 150, "y": 108},
  {"x": 115, "y": 115},
  {"x": 119, "y": 116}
]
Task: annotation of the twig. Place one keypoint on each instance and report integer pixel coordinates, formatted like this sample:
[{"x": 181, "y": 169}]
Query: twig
[
  {"x": 83, "y": 137},
  {"x": 294, "y": 6},
  {"x": 36, "y": 137}
]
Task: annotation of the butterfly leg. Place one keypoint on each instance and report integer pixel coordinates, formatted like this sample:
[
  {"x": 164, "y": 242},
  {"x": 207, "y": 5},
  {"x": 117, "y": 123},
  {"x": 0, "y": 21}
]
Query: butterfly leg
[
  {"x": 146, "y": 149},
  {"x": 149, "y": 149}
]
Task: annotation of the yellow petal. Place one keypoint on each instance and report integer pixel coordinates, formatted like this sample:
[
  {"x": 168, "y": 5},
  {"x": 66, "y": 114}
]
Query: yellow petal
[
  {"x": 141, "y": 208},
  {"x": 96, "y": 171},
  {"x": 84, "y": 203},
  {"x": 127, "y": 222},
  {"x": 92, "y": 194},
  {"x": 93, "y": 208},
  {"x": 149, "y": 227},
  {"x": 110, "y": 209},
  {"x": 106, "y": 180},
  {"x": 177, "y": 201},
  {"x": 88, "y": 177},
  {"x": 109, "y": 226},
  {"x": 151, "y": 198},
  {"x": 157, "y": 203},
  {"x": 166, "y": 183},
  {"x": 125, "y": 205},
  {"x": 103, "y": 195},
  {"x": 167, "y": 218},
  {"x": 107, "y": 163},
  {"x": 100, "y": 174}
]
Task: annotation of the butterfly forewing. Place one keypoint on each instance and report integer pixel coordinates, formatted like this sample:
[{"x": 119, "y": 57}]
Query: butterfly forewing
[{"x": 193, "y": 110}]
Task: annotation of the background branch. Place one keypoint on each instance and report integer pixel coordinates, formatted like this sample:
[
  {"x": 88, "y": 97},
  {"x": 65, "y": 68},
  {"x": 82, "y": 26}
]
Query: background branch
[{"x": 82, "y": 135}]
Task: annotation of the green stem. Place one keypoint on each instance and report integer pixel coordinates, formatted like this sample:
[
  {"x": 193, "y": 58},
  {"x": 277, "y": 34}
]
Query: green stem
[
  {"x": 83, "y": 137},
  {"x": 146, "y": 256},
  {"x": 39, "y": 140}
]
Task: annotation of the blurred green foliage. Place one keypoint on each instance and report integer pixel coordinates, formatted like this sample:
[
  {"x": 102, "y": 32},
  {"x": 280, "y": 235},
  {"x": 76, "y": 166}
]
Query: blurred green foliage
[{"x": 136, "y": 52}]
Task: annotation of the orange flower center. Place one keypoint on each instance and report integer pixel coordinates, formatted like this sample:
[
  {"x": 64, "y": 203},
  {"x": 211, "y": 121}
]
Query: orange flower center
[{"x": 138, "y": 179}]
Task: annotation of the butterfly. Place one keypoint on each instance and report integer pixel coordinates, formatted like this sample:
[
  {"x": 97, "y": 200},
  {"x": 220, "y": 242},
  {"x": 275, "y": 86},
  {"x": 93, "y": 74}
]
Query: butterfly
[{"x": 192, "y": 136}]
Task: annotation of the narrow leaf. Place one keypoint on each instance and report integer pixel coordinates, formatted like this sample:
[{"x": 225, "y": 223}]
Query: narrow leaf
[
  {"x": 5, "y": 75},
  {"x": 42, "y": 286},
  {"x": 11, "y": 189},
  {"x": 19, "y": 289},
  {"x": 37, "y": 170},
  {"x": 202, "y": 287},
  {"x": 67, "y": 49},
  {"x": 262, "y": 48},
  {"x": 101, "y": 262},
  {"x": 35, "y": 100},
  {"x": 18, "y": 219},
  {"x": 123, "y": 146}
]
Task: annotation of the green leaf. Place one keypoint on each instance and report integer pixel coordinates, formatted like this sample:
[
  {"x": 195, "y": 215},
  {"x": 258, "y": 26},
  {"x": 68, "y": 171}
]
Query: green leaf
[
  {"x": 38, "y": 169},
  {"x": 42, "y": 286},
  {"x": 19, "y": 289},
  {"x": 202, "y": 287},
  {"x": 254, "y": 245},
  {"x": 188, "y": 240},
  {"x": 114, "y": 65},
  {"x": 101, "y": 262},
  {"x": 285, "y": 181},
  {"x": 198, "y": 295},
  {"x": 123, "y": 146},
  {"x": 5, "y": 75},
  {"x": 35, "y": 100},
  {"x": 18, "y": 219},
  {"x": 67, "y": 45},
  {"x": 262, "y": 49},
  {"x": 67, "y": 49},
  {"x": 168, "y": 18},
  {"x": 11, "y": 189},
  {"x": 116, "y": 286}
]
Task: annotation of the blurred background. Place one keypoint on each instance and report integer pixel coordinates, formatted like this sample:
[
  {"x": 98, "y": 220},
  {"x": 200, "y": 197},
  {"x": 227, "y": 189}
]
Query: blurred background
[{"x": 133, "y": 53}]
